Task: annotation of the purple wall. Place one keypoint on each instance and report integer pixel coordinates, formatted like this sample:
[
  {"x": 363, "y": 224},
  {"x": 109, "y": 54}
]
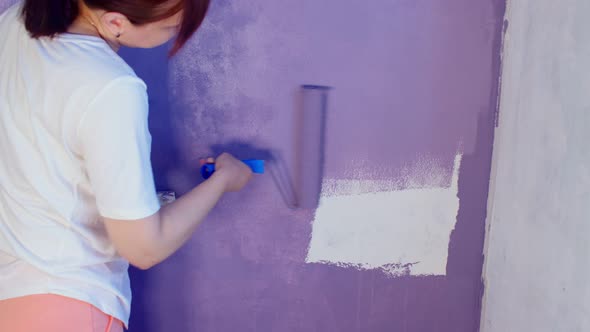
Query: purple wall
[{"x": 410, "y": 78}]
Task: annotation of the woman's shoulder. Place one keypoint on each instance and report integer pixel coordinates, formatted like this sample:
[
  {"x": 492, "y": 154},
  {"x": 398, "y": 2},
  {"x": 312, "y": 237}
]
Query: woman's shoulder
[
  {"x": 89, "y": 65},
  {"x": 91, "y": 55}
]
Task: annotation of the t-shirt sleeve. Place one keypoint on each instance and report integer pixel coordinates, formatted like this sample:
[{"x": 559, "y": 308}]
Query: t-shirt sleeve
[{"x": 115, "y": 144}]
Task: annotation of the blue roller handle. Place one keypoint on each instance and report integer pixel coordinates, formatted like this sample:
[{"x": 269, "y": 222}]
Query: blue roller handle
[{"x": 256, "y": 165}]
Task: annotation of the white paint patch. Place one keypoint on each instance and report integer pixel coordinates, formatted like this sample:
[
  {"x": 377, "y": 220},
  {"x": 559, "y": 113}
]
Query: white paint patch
[{"x": 377, "y": 225}]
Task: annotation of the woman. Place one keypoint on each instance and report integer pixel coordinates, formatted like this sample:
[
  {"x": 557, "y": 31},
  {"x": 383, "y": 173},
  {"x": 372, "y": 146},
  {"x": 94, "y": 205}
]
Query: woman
[{"x": 77, "y": 197}]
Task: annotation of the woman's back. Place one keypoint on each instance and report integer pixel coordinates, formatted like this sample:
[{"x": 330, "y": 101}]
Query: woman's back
[
  {"x": 77, "y": 195},
  {"x": 60, "y": 97}
]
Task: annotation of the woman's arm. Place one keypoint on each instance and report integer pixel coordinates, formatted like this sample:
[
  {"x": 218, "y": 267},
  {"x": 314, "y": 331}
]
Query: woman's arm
[{"x": 148, "y": 241}]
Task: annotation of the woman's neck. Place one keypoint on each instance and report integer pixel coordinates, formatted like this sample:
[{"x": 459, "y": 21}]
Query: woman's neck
[{"x": 87, "y": 23}]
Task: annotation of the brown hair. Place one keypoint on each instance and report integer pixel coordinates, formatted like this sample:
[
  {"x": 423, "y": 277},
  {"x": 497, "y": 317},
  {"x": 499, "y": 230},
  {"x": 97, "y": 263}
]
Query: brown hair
[{"x": 50, "y": 17}]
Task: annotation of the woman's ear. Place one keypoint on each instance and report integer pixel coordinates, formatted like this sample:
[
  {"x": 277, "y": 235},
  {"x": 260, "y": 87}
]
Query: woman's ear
[{"x": 116, "y": 23}]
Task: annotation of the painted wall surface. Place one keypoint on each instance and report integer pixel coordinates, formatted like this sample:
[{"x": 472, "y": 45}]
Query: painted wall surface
[
  {"x": 537, "y": 270},
  {"x": 396, "y": 243},
  {"x": 409, "y": 137}
]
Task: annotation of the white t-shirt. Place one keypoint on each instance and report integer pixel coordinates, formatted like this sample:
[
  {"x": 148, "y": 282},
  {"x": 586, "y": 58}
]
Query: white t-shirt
[{"x": 74, "y": 145}]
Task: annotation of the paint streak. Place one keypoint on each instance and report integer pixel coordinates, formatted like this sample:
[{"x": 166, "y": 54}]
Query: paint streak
[
  {"x": 422, "y": 173},
  {"x": 408, "y": 228},
  {"x": 4, "y": 4}
]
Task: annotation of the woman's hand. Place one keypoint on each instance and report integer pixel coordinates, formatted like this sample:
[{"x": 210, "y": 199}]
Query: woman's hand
[{"x": 234, "y": 173}]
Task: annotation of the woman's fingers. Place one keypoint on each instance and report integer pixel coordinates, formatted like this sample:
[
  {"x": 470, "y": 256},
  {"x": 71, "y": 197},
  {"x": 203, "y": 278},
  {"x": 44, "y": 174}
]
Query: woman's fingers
[{"x": 204, "y": 161}]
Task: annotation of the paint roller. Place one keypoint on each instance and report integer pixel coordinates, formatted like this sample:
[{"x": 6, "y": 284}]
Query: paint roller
[
  {"x": 310, "y": 129},
  {"x": 256, "y": 165},
  {"x": 310, "y": 146}
]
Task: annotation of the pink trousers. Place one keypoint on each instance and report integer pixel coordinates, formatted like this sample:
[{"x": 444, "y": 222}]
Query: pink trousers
[{"x": 54, "y": 313}]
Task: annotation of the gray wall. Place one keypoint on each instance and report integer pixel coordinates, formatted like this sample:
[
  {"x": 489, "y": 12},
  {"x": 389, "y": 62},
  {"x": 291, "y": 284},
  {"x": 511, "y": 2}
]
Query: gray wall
[{"x": 537, "y": 262}]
